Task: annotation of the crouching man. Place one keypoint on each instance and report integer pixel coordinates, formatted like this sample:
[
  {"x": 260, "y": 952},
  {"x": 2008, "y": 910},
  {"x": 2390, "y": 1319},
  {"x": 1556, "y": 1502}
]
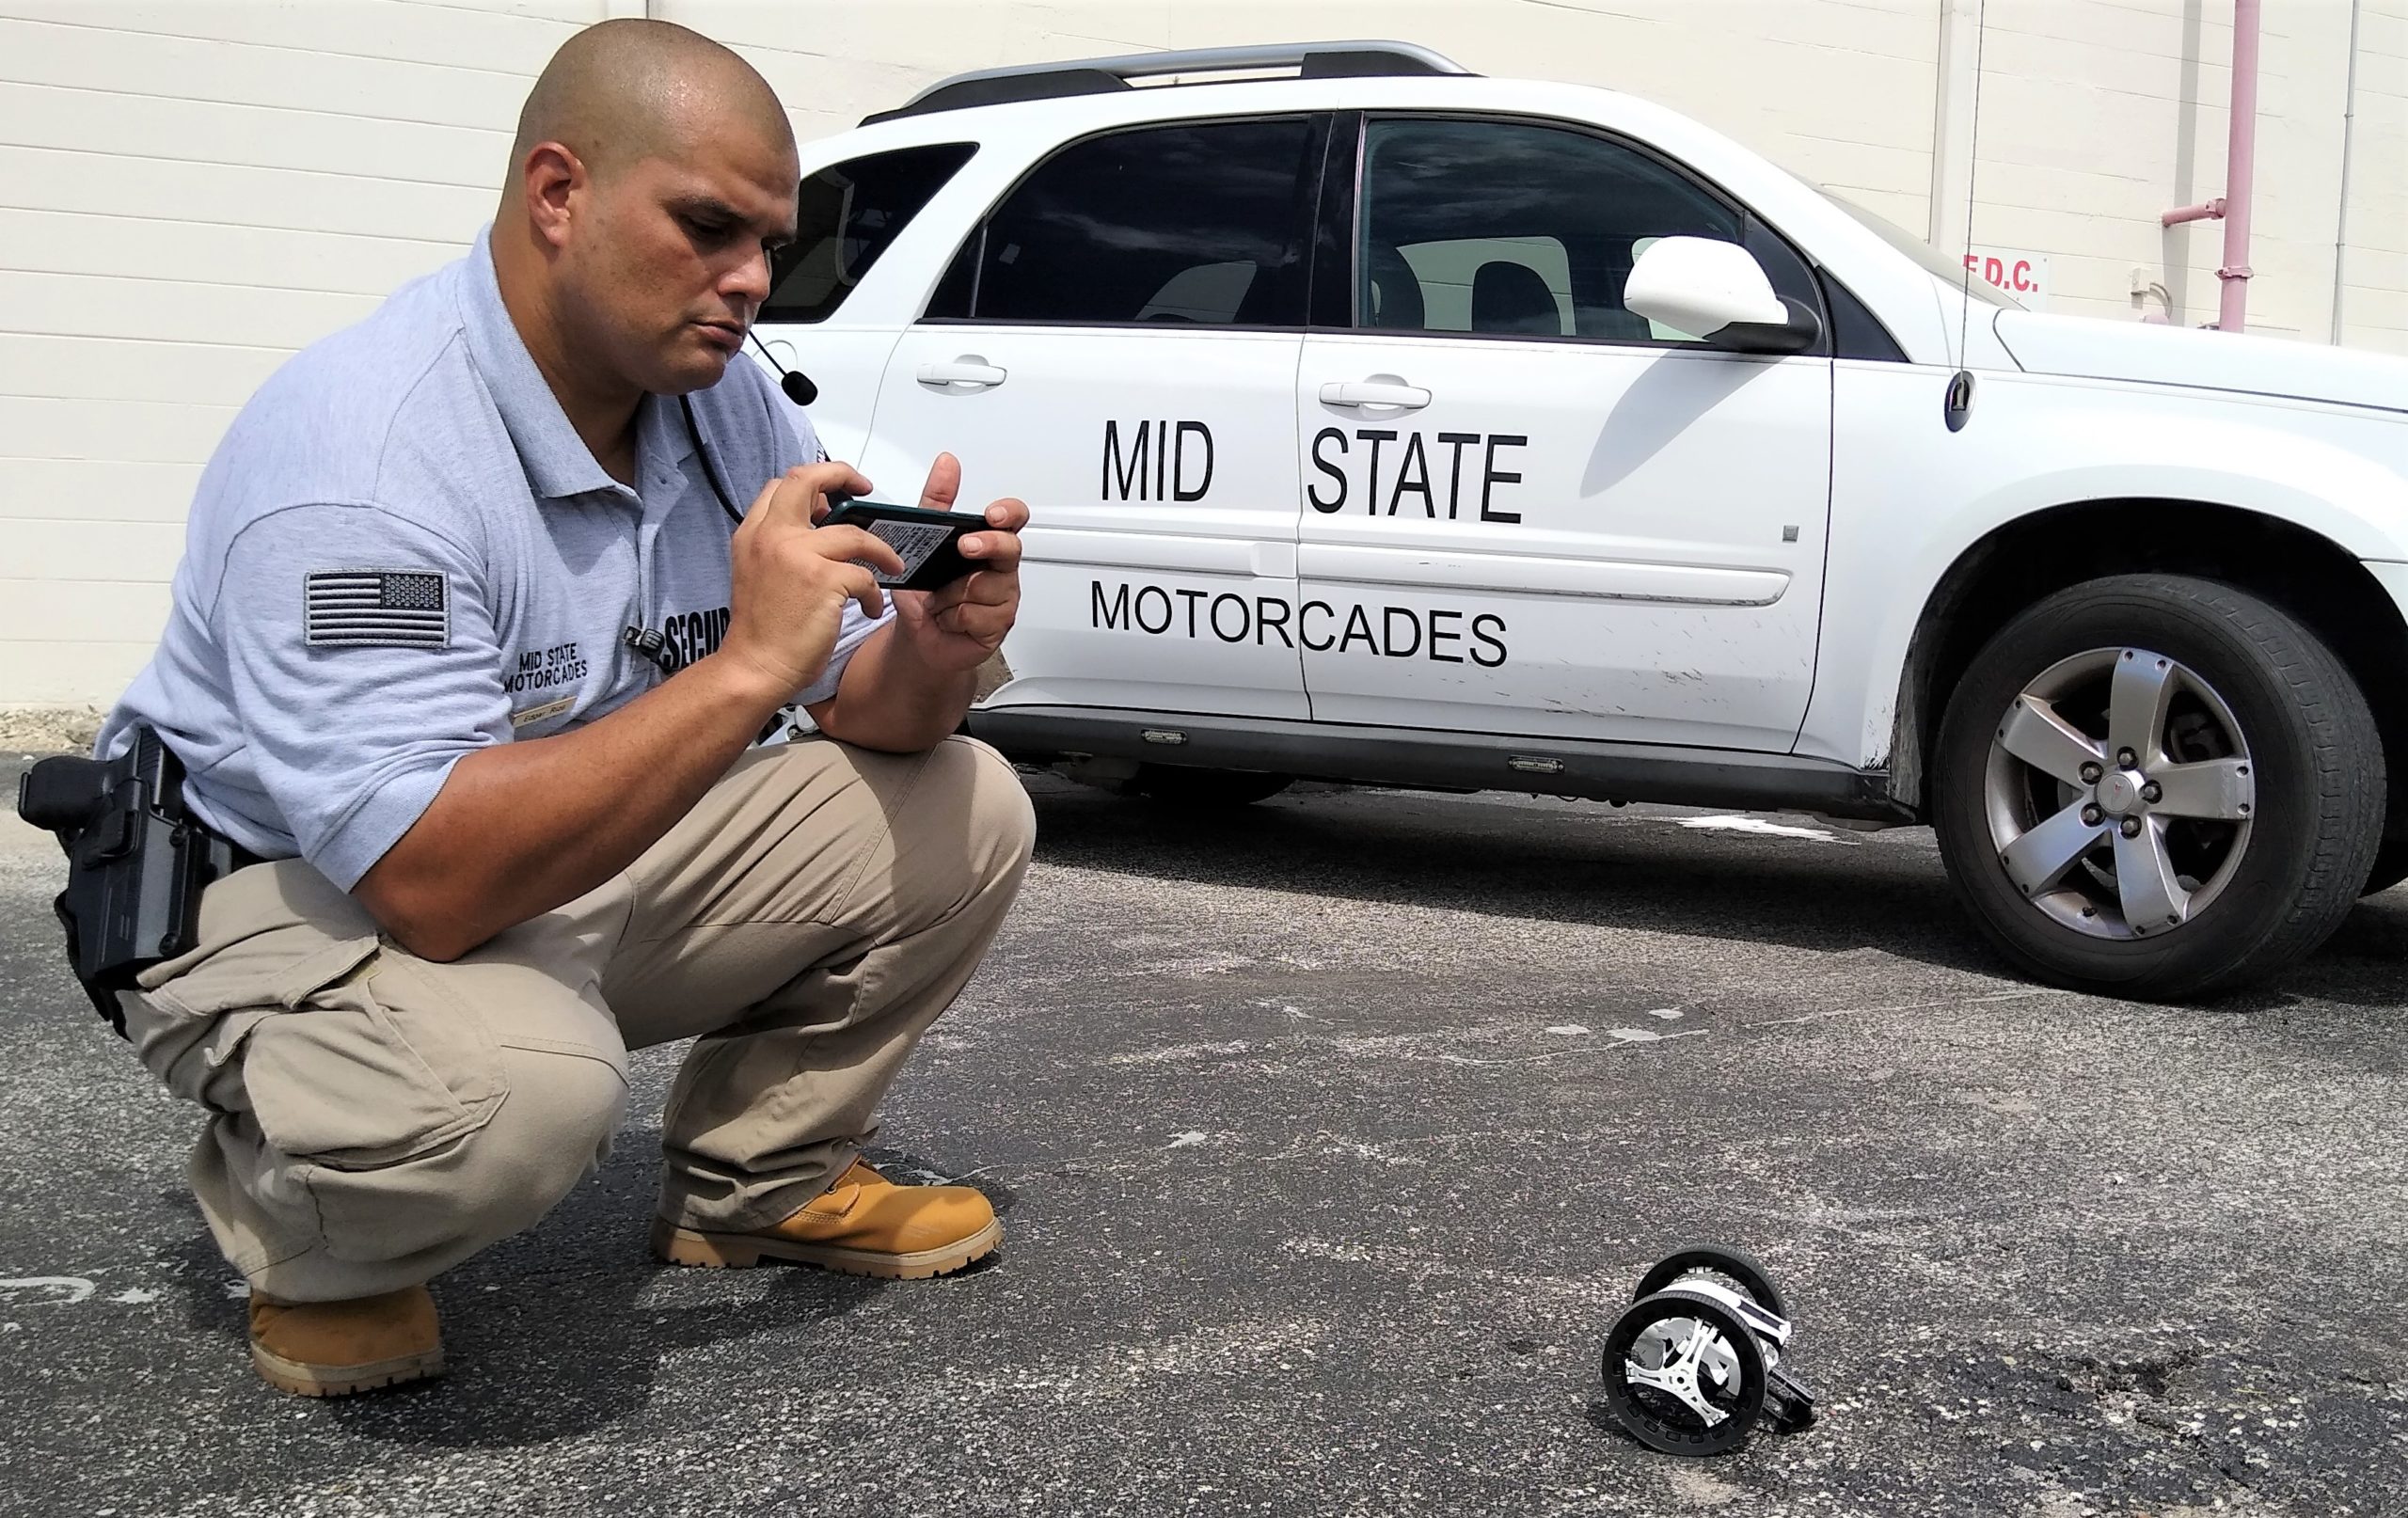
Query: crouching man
[{"x": 493, "y": 835}]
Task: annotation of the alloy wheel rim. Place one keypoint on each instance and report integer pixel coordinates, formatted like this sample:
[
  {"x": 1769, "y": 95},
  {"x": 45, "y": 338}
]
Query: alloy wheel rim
[{"x": 2120, "y": 792}]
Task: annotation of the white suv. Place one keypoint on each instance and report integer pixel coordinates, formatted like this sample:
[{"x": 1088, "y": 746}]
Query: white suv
[{"x": 1390, "y": 424}]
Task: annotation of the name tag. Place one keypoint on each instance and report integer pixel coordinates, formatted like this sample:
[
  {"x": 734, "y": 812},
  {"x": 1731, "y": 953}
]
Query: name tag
[{"x": 537, "y": 714}]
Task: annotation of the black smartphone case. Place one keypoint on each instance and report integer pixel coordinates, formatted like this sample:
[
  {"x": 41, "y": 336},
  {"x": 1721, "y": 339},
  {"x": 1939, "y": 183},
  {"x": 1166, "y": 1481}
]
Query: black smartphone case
[{"x": 929, "y": 543}]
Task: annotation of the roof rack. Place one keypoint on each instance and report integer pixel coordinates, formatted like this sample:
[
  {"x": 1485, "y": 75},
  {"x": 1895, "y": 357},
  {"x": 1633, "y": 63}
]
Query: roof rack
[{"x": 1096, "y": 77}]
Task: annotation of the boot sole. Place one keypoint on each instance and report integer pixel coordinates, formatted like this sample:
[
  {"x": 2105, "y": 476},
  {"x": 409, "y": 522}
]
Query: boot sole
[
  {"x": 741, "y": 1251},
  {"x": 343, "y": 1380}
]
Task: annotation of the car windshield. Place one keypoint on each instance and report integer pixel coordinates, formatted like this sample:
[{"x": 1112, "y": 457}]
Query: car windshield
[{"x": 1954, "y": 276}]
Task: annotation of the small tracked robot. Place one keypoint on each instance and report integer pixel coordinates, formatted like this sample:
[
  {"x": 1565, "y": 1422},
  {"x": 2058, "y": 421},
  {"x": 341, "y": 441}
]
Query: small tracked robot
[{"x": 1694, "y": 1362}]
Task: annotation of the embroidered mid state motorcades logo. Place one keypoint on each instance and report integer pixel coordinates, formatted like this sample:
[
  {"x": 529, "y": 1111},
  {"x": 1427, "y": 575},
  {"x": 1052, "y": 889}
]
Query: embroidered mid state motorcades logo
[{"x": 348, "y": 607}]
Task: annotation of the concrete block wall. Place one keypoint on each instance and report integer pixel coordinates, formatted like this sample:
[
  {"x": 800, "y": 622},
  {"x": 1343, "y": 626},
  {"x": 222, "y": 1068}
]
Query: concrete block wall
[
  {"x": 2096, "y": 117},
  {"x": 192, "y": 189}
]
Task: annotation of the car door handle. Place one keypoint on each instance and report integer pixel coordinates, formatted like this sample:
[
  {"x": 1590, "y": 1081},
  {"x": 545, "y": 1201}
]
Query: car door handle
[
  {"x": 969, "y": 370},
  {"x": 1374, "y": 393}
]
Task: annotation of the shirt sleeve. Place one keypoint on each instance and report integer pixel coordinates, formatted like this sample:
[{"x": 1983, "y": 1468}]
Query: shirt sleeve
[
  {"x": 798, "y": 442},
  {"x": 362, "y": 654}
]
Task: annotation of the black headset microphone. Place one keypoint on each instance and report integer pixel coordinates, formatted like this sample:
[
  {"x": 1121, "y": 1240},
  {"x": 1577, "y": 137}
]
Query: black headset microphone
[
  {"x": 794, "y": 381},
  {"x": 649, "y": 642}
]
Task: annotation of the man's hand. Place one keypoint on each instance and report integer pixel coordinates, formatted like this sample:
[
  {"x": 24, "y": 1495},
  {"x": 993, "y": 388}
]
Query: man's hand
[
  {"x": 791, "y": 579},
  {"x": 909, "y": 684},
  {"x": 955, "y": 626}
]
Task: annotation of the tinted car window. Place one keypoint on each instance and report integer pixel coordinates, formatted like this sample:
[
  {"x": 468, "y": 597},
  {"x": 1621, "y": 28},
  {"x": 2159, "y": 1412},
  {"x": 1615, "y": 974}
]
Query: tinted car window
[
  {"x": 1514, "y": 228},
  {"x": 1182, "y": 225},
  {"x": 846, "y": 216}
]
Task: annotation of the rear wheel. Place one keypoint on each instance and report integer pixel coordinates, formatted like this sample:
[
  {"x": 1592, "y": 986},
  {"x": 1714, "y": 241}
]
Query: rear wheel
[
  {"x": 1172, "y": 785},
  {"x": 1742, "y": 1272},
  {"x": 2156, "y": 786}
]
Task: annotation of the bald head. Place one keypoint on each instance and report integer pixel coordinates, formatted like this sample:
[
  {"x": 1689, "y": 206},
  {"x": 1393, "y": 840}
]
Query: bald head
[
  {"x": 653, "y": 178},
  {"x": 621, "y": 91}
]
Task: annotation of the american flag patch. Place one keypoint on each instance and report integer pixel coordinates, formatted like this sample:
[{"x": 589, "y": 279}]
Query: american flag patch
[{"x": 401, "y": 608}]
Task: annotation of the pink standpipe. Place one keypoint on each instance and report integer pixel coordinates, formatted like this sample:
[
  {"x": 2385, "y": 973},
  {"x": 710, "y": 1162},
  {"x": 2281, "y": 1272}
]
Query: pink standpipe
[{"x": 2241, "y": 153}]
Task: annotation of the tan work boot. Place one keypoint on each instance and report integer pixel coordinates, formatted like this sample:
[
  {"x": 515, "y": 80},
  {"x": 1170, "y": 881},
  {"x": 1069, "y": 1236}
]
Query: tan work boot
[
  {"x": 333, "y": 1349},
  {"x": 864, "y": 1224}
]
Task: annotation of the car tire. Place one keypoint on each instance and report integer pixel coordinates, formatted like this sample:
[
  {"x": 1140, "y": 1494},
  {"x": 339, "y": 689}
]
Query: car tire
[
  {"x": 1208, "y": 788},
  {"x": 2263, "y": 759},
  {"x": 2390, "y": 867}
]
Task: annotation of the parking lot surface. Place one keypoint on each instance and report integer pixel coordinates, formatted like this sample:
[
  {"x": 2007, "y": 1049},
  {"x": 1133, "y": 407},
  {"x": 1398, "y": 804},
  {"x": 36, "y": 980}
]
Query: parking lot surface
[{"x": 1330, "y": 1135}]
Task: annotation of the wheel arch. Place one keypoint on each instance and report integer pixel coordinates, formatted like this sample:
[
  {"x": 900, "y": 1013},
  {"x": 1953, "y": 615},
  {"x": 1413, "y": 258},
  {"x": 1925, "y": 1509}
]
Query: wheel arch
[{"x": 2306, "y": 574}]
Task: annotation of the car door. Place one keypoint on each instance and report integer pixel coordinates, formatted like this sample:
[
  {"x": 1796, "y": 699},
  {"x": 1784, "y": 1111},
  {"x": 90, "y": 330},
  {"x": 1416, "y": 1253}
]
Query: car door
[
  {"x": 1529, "y": 510},
  {"x": 1117, "y": 344}
]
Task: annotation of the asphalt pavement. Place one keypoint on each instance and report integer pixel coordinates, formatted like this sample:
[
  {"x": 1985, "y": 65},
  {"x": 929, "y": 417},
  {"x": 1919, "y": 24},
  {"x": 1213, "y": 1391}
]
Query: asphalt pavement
[{"x": 1330, "y": 1136}]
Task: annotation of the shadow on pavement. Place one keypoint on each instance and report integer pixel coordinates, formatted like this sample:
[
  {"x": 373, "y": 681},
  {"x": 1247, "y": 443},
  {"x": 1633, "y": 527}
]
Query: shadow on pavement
[
  {"x": 2364, "y": 964},
  {"x": 1586, "y": 865},
  {"x": 1592, "y": 867},
  {"x": 562, "y": 1331}
]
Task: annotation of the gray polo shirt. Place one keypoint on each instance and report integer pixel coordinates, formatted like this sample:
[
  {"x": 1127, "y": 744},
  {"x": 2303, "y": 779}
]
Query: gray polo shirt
[{"x": 402, "y": 552}]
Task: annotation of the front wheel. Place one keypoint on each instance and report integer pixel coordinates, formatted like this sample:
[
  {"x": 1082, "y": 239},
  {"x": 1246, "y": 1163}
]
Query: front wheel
[
  {"x": 2155, "y": 786},
  {"x": 2390, "y": 867}
]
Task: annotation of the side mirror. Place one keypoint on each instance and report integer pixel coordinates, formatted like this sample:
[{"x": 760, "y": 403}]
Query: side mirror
[{"x": 1718, "y": 293}]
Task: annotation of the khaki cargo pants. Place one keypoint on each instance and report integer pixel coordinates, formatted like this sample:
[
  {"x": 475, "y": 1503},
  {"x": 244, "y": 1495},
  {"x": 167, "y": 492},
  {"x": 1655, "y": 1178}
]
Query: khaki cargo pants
[{"x": 377, "y": 1117}]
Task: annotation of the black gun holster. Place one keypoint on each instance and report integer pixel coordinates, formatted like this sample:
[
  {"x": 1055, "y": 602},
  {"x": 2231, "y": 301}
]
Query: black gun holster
[{"x": 138, "y": 862}]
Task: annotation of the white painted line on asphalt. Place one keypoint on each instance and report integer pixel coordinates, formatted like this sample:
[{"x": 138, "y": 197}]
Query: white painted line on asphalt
[
  {"x": 1624, "y": 1038},
  {"x": 1329, "y": 1145},
  {"x": 67, "y": 1291},
  {"x": 59, "y": 1290},
  {"x": 1180, "y": 1051},
  {"x": 1907, "y": 1006},
  {"x": 1761, "y": 828}
]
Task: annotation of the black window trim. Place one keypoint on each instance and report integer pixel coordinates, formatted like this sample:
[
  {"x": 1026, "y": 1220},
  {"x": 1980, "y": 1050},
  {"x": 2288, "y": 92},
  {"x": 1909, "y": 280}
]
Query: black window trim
[
  {"x": 1342, "y": 189},
  {"x": 1824, "y": 348},
  {"x": 1304, "y": 223},
  {"x": 1883, "y": 348}
]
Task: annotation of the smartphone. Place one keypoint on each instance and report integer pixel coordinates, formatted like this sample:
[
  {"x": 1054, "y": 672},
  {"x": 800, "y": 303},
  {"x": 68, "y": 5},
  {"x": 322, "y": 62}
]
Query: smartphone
[{"x": 928, "y": 542}]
